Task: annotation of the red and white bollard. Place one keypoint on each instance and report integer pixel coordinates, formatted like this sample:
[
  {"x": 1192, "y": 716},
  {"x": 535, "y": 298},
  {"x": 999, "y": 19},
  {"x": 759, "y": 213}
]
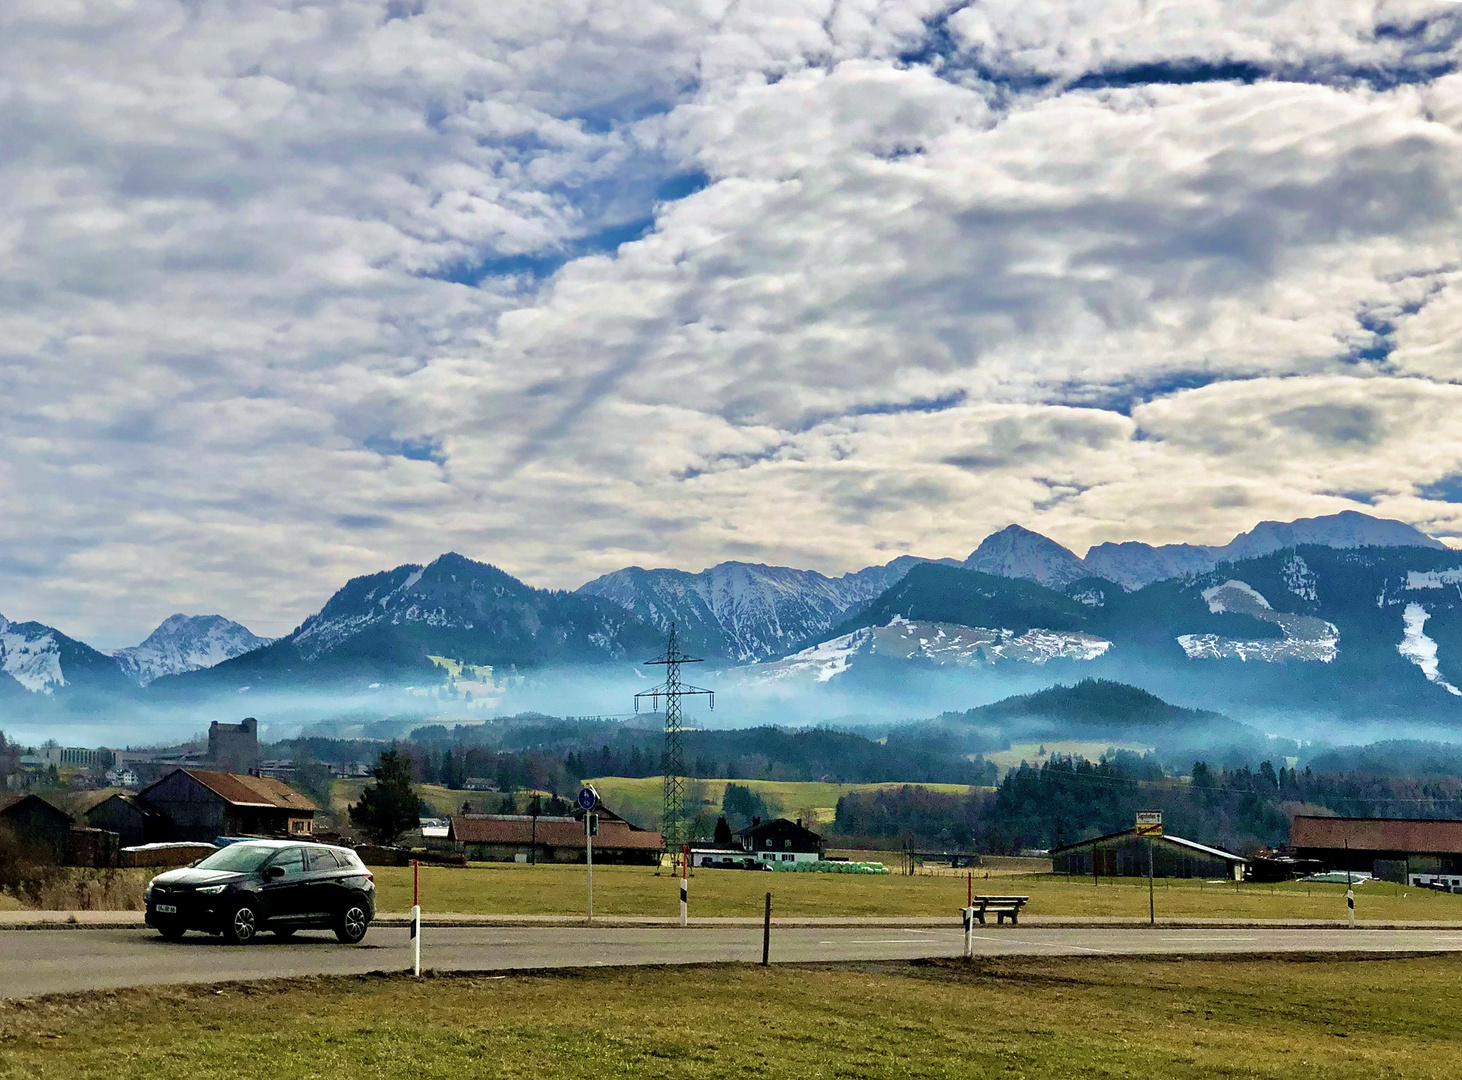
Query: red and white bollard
[
  {"x": 685, "y": 886},
  {"x": 416, "y": 917}
]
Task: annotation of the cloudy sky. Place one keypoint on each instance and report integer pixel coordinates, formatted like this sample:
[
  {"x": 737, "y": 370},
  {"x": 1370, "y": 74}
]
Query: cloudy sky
[{"x": 291, "y": 291}]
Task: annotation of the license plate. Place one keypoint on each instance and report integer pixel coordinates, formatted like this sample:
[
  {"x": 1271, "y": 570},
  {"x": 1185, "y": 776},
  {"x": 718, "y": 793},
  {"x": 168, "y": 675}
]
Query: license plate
[{"x": 166, "y": 909}]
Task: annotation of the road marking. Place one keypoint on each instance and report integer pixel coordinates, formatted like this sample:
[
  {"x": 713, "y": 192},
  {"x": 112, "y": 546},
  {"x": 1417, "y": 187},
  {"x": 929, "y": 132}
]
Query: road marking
[
  {"x": 1043, "y": 944},
  {"x": 1210, "y": 939},
  {"x": 872, "y": 941}
]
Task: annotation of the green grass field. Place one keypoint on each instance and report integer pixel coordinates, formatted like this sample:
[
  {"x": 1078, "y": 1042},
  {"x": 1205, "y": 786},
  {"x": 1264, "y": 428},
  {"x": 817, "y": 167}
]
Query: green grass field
[
  {"x": 1046, "y": 1018},
  {"x": 510, "y": 888},
  {"x": 442, "y": 800},
  {"x": 639, "y": 798}
]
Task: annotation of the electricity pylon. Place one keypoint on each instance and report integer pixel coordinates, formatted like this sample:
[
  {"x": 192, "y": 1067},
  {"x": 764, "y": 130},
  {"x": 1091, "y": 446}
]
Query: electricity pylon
[{"x": 672, "y": 762}]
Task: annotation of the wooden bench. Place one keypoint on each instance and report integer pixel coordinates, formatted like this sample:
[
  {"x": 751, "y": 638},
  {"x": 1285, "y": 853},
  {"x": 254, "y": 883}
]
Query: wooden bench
[{"x": 999, "y": 906}]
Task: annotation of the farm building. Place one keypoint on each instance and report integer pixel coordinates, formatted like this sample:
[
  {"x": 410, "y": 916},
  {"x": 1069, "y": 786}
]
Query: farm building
[
  {"x": 524, "y": 838},
  {"x": 723, "y": 856},
  {"x": 1389, "y": 848},
  {"x": 200, "y": 805},
  {"x": 1124, "y": 854},
  {"x": 133, "y": 821},
  {"x": 36, "y": 824},
  {"x": 780, "y": 840}
]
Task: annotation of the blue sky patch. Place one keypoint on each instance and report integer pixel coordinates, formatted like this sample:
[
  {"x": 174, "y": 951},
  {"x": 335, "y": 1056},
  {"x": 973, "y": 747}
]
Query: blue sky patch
[{"x": 411, "y": 449}]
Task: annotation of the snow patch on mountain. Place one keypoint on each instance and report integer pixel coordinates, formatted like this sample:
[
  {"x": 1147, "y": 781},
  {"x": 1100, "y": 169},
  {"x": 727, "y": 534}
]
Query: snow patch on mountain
[
  {"x": 30, "y": 654},
  {"x": 1305, "y": 637},
  {"x": 1300, "y": 579},
  {"x": 938, "y": 643},
  {"x": 1433, "y": 579},
  {"x": 1420, "y": 649},
  {"x": 1237, "y": 596},
  {"x": 186, "y": 643}
]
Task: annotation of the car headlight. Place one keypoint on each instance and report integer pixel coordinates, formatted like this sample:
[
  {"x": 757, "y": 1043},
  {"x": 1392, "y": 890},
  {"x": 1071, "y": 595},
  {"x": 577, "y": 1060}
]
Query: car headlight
[
  {"x": 211, "y": 890},
  {"x": 147, "y": 893}
]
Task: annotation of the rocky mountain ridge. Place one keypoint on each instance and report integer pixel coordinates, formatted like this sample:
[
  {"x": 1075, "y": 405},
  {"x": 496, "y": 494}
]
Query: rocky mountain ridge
[{"x": 187, "y": 643}]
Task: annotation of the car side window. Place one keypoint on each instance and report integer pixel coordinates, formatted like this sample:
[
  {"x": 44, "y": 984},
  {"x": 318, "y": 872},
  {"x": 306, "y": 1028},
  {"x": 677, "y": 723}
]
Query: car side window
[
  {"x": 293, "y": 861},
  {"x": 323, "y": 859}
]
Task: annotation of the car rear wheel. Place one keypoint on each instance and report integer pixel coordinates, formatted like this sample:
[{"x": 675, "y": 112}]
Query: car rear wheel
[
  {"x": 171, "y": 931},
  {"x": 352, "y": 924},
  {"x": 242, "y": 925}
]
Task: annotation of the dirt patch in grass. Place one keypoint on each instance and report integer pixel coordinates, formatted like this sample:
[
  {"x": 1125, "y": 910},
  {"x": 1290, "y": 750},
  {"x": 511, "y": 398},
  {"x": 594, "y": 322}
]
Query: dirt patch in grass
[{"x": 1019, "y": 1016}]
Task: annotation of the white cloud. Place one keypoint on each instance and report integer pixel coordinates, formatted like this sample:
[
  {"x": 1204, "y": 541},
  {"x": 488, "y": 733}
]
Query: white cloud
[{"x": 943, "y": 274}]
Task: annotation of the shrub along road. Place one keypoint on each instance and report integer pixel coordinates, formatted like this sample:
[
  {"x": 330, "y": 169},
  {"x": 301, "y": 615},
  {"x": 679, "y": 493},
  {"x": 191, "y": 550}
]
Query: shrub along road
[{"x": 47, "y": 961}]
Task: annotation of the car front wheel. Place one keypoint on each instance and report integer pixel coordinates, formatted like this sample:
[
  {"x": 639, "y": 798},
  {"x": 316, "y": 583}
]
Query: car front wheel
[
  {"x": 352, "y": 924},
  {"x": 242, "y": 925}
]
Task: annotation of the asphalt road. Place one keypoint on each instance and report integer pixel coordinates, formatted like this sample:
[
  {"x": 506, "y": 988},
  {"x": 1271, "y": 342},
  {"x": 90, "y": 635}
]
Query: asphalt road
[{"x": 49, "y": 961}]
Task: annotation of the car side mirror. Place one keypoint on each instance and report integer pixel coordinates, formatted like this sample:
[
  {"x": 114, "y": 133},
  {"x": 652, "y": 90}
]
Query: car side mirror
[{"x": 274, "y": 872}]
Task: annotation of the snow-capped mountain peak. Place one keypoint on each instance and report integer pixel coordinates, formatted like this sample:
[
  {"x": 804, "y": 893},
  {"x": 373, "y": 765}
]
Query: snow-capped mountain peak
[
  {"x": 30, "y": 654},
  {"x": 1133, "y": 564},
  {"x": 1016, "y": 552},
  {"x": 186, "y": 643},
  {"x": 1347, "y": 529}
]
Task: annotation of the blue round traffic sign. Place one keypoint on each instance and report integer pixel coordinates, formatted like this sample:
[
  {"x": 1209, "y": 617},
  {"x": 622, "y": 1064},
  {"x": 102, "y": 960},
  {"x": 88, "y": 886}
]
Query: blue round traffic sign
[{"x": 588, "y": 797}]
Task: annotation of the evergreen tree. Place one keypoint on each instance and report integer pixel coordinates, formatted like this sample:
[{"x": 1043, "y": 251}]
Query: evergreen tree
[
  {"x": 390, "y": 806},
  {"x": 723, "y": 832},
  {"x": 741, "y": 805},
  {"x": 315, "y": 780}
]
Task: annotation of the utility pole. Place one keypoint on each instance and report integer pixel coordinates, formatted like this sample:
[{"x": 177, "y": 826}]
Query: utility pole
[
  {"x": 672, "y": 761},
  {"x": 1151, "y": 903}
]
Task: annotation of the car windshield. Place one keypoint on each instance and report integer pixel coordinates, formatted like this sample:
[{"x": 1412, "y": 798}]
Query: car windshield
[{"x": 240, "y": 858}]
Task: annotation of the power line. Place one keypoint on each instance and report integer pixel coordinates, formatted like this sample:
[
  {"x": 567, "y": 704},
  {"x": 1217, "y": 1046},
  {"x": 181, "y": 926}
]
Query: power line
[{"x": 672, "y": 818}]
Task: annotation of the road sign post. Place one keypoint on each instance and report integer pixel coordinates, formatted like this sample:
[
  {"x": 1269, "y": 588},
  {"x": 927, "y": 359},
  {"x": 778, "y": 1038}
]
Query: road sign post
[
  {"x": 588, "y": 799},
  {"x": 1149, "y": 824}
]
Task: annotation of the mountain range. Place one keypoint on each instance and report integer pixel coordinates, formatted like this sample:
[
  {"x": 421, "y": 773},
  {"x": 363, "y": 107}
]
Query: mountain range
[
  {"x": 1339, "y": 632},
  {"x": 1346, "y": 611},
  {"x": 451, "y": 614}
]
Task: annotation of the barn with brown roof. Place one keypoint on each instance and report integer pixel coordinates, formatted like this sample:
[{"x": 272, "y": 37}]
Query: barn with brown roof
[
  {"x": 199, "y": 804},
  {"x": 36, "y": 824},
  {"x": 1389, "y": 848},
  {"x": 523, "y": 838}
]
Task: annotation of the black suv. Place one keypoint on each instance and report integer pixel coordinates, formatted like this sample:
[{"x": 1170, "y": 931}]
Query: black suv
[{"x": 275, "y": 885}]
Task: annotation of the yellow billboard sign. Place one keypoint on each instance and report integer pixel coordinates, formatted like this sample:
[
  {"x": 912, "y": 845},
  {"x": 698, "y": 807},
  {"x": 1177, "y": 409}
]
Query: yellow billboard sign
[{"x": 1149, "y": 823}]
